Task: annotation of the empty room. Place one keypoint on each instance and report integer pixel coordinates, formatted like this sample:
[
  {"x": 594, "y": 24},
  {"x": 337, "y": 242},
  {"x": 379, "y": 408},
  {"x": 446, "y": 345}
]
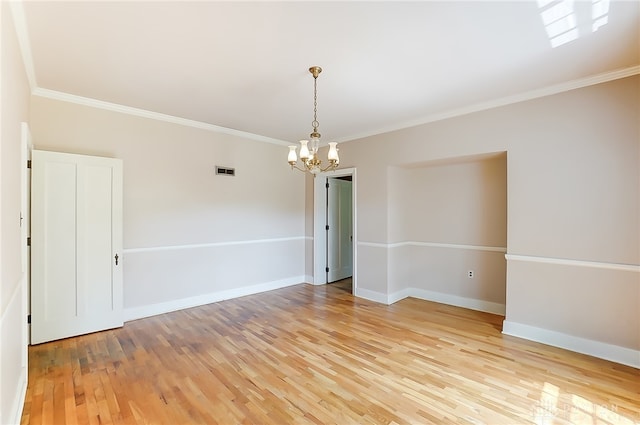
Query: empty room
[{"x": 353, "y": 212}]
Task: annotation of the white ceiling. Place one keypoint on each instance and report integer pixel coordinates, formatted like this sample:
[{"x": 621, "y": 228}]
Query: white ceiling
[{"x": 386, "y": 65}]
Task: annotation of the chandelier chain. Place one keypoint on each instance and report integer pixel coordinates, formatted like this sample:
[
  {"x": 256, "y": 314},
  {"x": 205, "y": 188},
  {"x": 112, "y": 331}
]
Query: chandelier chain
[{"x": 315, "y": 124}]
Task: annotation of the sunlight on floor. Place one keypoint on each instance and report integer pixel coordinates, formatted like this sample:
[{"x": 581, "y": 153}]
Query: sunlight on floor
[{"x": 571, "y": 408}]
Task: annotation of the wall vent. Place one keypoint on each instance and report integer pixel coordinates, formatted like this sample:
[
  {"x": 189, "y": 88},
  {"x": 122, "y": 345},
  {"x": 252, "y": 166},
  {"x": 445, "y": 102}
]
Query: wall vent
[{"x": 225, "y": 171}]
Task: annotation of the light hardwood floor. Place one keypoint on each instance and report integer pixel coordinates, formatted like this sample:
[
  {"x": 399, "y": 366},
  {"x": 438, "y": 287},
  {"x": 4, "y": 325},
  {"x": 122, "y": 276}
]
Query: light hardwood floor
[{"x": 317, "y": 355}]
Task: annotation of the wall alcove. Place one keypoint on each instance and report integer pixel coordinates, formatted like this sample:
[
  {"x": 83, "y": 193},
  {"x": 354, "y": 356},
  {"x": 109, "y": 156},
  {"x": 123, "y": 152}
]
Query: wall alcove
[{"x": 447, "y": 220}]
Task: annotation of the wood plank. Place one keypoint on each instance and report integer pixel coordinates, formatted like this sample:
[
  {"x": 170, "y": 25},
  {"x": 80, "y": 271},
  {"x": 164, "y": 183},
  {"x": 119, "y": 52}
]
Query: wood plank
[{"x": 317, "y": 355}]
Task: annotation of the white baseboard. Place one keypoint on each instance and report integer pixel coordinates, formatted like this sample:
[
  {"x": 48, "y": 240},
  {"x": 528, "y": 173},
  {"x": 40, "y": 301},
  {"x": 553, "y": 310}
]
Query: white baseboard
[
  {"x": 439, "y": 297},
  {"x": 614, "y": 353},
  {"x": 400, "y": 295},
  {"x": 15, "y": 414},
  {"x": 598, "y": 349},
  {"x": 590, "y": 347},
  {"x": 174, "y": 305},
  {"x": 367, "y": 294},
  {"x": 470, "y": 303}
]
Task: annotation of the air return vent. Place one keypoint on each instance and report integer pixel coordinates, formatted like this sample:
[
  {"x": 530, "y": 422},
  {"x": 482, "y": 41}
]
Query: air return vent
[{"x": 225, "y": 171}]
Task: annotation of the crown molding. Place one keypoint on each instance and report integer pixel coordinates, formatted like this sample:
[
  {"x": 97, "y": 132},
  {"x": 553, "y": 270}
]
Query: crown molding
[
  {"x": 22, "y": 34},
  {"x": 521, "y": 97},
  {"x": 66, "y": 97},
  {"x": 25, "y": 47}
]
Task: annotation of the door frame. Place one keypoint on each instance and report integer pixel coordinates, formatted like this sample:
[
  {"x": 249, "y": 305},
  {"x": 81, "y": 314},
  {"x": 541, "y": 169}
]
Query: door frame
[
  {"x": 338, "y": 248},
  {"x": 26, "y": 146},
  {"x": 319, "y": 222}
]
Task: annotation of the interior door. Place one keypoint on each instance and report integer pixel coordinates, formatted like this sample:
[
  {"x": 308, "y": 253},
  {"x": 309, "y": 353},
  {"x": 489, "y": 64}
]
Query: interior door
[
  {"x": 340, "y": 229},
  {"x": 76, "y": 244}
]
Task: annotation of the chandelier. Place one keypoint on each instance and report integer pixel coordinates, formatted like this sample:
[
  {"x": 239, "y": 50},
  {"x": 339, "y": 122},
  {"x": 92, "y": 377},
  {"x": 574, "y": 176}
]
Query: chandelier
[{"x": 309, "y": 149}]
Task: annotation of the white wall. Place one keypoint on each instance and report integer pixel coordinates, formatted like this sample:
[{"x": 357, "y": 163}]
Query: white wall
[
  {"x": 573, "y": 232},
  {"x": 14, "y": 95},
  {"x": 190, "y": 237},
  {"x": 308, "y": 230}
]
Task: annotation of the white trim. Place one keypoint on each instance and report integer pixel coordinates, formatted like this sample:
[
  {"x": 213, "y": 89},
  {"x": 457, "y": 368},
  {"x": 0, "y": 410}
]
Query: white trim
[
  {"x": 522, "y": 97},
  {"x": 15, "y": 410},
  {"x": 25, "y": 47},
  {"x": 450, "y": 245},
  {"x": 66, "y": 97},
  {"x": 438, "y": 297},
  {"x": 375, "y": 296},
  {"x": 212, "y": 244},
  {"x": 134, "y": 313},
  {"x": 320, "y": 218},
  {"x": 373, "y": 244},
  {"x": 458, "y": 301},
  {"x": 434, "y": 245},
  {"x": 401, "y": 295},
  {"x": 450, "y": 299},
  {"x": 614, "y": 353},
  {"x": 574, "y": 263},
  {"x": 18, "y": 403}
]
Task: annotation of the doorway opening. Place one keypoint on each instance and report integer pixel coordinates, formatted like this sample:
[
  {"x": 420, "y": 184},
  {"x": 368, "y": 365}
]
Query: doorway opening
[
  {"x": 339, "y": 227},
  {"x": 334, "y": 235},
  {"x": 345, "y": 285}
]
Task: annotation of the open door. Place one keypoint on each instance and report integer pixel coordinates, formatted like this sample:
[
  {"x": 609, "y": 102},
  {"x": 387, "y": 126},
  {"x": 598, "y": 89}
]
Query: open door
[
  {"x": 320, "y": 213},
  {"x": 339, "y": 228},
  {"x": 76, "y": 245}
]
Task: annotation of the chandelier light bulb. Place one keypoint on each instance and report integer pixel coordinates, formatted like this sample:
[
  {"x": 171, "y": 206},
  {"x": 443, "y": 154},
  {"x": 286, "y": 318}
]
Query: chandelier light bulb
[
  {"x": 333, "y": 152},
  {"x": 293, "y": 158},
  {"x": 304, "y": 150}
]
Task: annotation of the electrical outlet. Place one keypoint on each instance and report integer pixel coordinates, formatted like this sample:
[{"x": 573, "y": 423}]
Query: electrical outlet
[{"x": 470, "y": 274}]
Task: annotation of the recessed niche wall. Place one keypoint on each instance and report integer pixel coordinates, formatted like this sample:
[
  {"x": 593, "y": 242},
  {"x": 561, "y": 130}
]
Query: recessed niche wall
[{"x": 446, "y": 218}]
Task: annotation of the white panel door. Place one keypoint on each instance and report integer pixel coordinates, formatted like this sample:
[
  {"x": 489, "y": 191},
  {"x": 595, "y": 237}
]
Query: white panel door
[
  {"x": 76, "y": 245},
  {"x": 340, "y": 232}
]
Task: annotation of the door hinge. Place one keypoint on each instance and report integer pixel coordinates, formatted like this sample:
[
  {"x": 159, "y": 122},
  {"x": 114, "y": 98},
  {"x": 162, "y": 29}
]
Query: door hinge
[
  {"x": 326, "y": 227},
  {"x": 28, "y": 319},
  {"x": 326, "y": 269},
  {"x": 29, "y": 241},
  {"x": 327, "y": 186},
  {"x": 28, "y": 163}
]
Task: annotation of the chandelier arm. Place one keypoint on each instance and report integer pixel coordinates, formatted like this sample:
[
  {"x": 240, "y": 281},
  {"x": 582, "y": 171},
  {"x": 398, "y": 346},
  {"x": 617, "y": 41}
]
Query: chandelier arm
[
  {"x": 332, "y": 166},
  {"x": 298, "y": 168}
]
